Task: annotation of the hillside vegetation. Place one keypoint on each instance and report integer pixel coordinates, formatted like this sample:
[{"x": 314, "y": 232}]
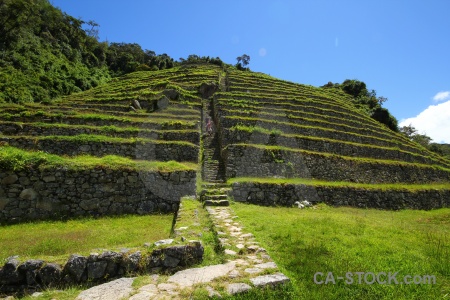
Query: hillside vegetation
[{"x": 47, "y": 53}]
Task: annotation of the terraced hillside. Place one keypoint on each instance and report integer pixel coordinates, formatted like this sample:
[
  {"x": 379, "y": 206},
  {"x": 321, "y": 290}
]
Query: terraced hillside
[
  {"x": 104, "y": 152},
  {"x": 134, "y": 145},
  {"x": 284, "y": 142}
]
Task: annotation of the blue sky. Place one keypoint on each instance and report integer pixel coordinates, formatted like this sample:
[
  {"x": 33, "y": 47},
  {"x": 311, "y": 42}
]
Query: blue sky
[{"x": 399, "y": 48}]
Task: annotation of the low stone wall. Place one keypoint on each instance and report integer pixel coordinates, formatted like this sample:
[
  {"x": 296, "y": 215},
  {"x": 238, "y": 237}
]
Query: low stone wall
[
  {"x": 120, "y": 122},
  {"x": 306, "y": 121},
  {"x": 38, "y": 274},
  {"x": 316, "y": 145},
  {"x": 268, "y": 194},
  {"x": 60, "y": 193},
  {"x": 136, "y": 150},
  {"x": 248, "y": 161},
  {"x": 11, "y": 128}
]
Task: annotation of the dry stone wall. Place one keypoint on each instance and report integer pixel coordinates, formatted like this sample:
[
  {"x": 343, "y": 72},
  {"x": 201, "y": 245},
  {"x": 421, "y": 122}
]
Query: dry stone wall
[
  {"x": 316, "y": 145},
  {"x": 137, "y": 150},
  {"x": 36, "y": 274},
  {"x": 120, "y": 122},
  {"x": 61, "y": 193},
  {"x": 11, "y": 128},
  {"x": 287, "y": 194},
  {"x": 247, "y": 161}
]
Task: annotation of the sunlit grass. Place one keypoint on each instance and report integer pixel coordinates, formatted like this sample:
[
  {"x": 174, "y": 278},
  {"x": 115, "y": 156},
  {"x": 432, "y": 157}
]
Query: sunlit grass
[
  {"x": 340, "y": 240},
  {"x": 15, "y": 159},
  {"x": 56, "y": 240},
  {"x": 314, "y": 182}
]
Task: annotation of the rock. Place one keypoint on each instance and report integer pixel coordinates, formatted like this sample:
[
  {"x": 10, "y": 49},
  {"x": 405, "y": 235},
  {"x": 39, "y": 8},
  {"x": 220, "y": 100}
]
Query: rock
[
  {"x": 37, "y": 294},
  {"x": 28, "y": 194},
  {"x": 212, "y": 292},
  {"x": 240, "y": 246},
  {"x": 10, "y": 274},
  {"x": 50, "y": 275},
  {"x": 170, "y": 262},
  {"x": 208, "y": 89},
  {"x": 10, "y": 179},
  {"x": 96, "y": 270},
  {"x": 3, "y": 203},
  {"x": 172, "y": 94},
  {"x": 306, "y": 203},
  {"x": 113, "y": 290},
  {"x": 252, "y": 270},
  {"x": 230, "y": 252},
  {"x": 271, "y": 280},
  {"x": 31, "y": 268},
  {"x": 114, "y": 260},
  {"x": 132, "y": 262},
  {"x": 163, "y": 242},
  {"x": 236, "y": 288},
  {"x": 85, "y": 148},
  {"x": 136, "y": 104},
  {"x": 146, "y": 292},
  {"x": 162, "y": 102},
  {"x": 247, "y": 235},
  {"x": 267, "y": 265},
  {"x": 75, "y": 267},
  {"x": 50, "y": 178},
  {"x": 234, "y": 274},
  {"x": 189, "y": 277},
  {"x": 167, "y": 287}
]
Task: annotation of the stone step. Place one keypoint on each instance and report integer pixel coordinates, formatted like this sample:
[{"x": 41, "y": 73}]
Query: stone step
[
  {"x": 217, "y": 203},
  {"x": 216, "y": 197},
  {"x": 215, "y": 183}
]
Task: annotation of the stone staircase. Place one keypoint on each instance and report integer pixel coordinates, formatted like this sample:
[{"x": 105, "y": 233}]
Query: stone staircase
[{"x": 214, "y": 187}]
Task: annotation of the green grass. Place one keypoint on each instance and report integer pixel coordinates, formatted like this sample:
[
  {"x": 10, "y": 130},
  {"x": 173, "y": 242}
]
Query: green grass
[
  {"x": 56, "y": 240},
  {"x": 340, "y": 240},
  {"x": 66, "y": 294},
  {"x": 196, "y": 218},
  {"x": 307, "y": 181},
  {"x": 86, "y": 138},
  {"x": 15, "y": 159}
]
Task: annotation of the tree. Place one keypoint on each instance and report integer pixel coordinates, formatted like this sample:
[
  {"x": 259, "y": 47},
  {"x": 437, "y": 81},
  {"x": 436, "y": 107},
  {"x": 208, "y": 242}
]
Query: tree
[
  {"x": 413, "y": 135},
  {"x": 242, "y": 62},
  {"x": 382, "y": 115},
  {"x": 409, "y": 131},
  {"x": 366, "y": 100}
]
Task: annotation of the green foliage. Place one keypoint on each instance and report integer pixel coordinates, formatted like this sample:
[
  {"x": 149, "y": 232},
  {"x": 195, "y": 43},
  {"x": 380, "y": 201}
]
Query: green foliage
[
  {"x": 195, "y": 59},
  {"x": 383, "y": 116},
  {"x": 123, "y": 58},
  {"x": 366, "y": 101},
  {"x": 47, "y": 53},
  {"x": 242, "y": 62}
]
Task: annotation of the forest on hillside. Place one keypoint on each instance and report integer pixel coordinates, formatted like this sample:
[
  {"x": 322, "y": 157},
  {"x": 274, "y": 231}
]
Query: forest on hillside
[{"x": 46, "y": 53}]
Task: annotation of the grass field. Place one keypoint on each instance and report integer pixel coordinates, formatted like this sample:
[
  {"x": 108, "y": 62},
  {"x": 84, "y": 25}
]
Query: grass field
[
  {"x": 340, "y": 240},
  {"x": 54, "y": 241}
]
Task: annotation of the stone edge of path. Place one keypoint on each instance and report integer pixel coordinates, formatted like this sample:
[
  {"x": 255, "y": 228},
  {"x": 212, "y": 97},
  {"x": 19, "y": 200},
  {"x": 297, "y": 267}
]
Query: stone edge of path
[{"x": 248, "y": 267}]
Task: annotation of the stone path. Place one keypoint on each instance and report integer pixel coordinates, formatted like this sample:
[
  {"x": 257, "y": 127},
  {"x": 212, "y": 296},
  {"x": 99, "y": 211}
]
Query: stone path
[{"x": 248, "y": 267}]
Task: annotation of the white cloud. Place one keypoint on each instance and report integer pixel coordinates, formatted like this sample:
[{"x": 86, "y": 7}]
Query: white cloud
[
  {"x": 442, "y": 96},
  {"x": 434, "y": 121}
]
